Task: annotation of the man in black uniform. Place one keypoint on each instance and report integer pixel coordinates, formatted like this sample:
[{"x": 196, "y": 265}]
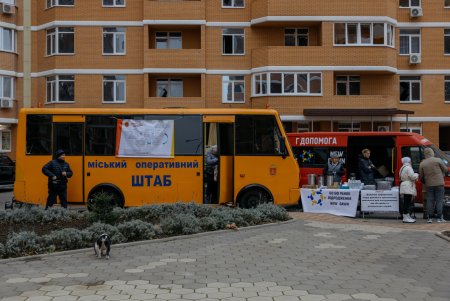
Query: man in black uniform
[{"x": 57, "y": 171}]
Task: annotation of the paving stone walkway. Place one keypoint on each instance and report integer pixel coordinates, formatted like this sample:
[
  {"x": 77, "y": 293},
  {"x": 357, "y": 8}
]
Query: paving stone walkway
[{"x": 300, "y": 260}]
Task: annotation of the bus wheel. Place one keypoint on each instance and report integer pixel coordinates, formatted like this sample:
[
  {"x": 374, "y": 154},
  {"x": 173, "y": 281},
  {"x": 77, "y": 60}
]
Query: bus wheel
[
  {"x": 116, "y": 196},
  {"x": 254, "y": 197}
]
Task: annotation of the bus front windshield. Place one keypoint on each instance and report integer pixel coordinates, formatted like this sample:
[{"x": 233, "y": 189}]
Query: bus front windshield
[{"x": 441, "y": 155}]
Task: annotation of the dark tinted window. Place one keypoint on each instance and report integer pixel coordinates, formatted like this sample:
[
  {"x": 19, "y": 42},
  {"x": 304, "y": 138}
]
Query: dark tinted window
[
  {"x": 100, "y": 135},
  {"x": 257, "y": 135},
  {"x": 68, "y": 137},
  {"x": 226, "y": 139},
  {"x": 39, "y": 135}
]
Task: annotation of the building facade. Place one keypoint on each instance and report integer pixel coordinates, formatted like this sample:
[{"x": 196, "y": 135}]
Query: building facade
[{"x": 348, "y": 65}]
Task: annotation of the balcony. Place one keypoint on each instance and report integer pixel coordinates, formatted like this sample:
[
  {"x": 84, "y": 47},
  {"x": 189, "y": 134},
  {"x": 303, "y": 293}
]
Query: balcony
[
  {"x": 286, "y": 8},
  {"x": 175, "y": 58},
  {"x": 165, "y": 102},
  {"x": 173, "y": 9},
  {"x": 295, "y": 105},
  {"x": 383, "y": 57}
]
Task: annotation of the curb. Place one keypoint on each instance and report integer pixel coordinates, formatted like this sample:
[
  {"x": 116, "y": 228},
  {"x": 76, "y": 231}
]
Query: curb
[
  {"x": 445, "y": 237},
  {"x": 142, "y": 242}
]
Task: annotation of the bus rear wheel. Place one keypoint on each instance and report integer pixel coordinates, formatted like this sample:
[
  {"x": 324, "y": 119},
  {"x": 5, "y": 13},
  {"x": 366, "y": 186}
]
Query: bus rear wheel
[
  {"x": 116, "y": 197},
  {"x": 254, "y": 197}
]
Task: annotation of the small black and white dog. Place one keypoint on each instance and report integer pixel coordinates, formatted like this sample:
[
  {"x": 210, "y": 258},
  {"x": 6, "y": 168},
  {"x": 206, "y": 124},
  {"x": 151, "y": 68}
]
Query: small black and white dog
[{"x": 102, "y": 246}]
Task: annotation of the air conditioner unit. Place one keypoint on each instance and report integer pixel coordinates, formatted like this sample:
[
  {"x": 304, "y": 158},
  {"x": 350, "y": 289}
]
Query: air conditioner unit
[
  {"x": 383, "y": 128},
  {"x": 415, "y": 59},
  {"x": 6, "y": 103},
  {"x": 415, "y": 12}
]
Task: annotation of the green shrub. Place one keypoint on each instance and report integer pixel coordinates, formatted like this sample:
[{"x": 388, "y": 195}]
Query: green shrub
[
  {"x": 223, "y": 217},
  {"x": 24, "y": 243},
  {"x": 137, "y": 230},
  {"x": 102, "y": 208},
  {"x": 2, "y": 251},
  {"x": 271, "y": 213},
  {"x": 150, "y": 214},
  {"x": 67, "y": 239},
  {"x": 180, "y": 224},
  {"x": 251, "y": 216},
  {"x": 93, "y": 232},
  {"x": 38, "y": 215},
  {"x": 208, "y": 223}
]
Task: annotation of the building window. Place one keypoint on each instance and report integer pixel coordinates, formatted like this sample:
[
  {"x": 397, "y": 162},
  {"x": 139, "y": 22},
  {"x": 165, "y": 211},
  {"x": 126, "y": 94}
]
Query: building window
[
  {"x": 288, "y": 83},
  {"x": 7, "y": 39},
  {"x": 233, "y": 41},
  {"x": 411, "y": 128},
  {"x": 6, "y": 140},
  {"x": 7, "y": 89},
  {"x": 348, "y": 85},
  {"x": 168, "y": 40},
  {"x": 114, "y": 40},
  {"x": 233, "y": 89},
  {"x": 409, "y": 41},
  {"x": 410, "y": 3},
  {"x": 260, "y": 84},
  {"x": 114, "y": 89},
  {"x": 446, "y": 3},
  {"x": 169, "y": 87},
  {"x": 114, "y": 3},
  {"x": 447, "y": 89},
  {"x": 410, "y": 88},
  {"x": 233, "y": 3},
  {"x": 60, "y": 88},
  {"x": 364, "y": 34},
  {"x": 303, "y": 127},
  {"x": 51, "y": 3},
  {"x": 296, "y": 37},
  {"x": 60, "y": 40},
  {"x": 349, "y": 127},
  {"x": 447, "y": 40}
]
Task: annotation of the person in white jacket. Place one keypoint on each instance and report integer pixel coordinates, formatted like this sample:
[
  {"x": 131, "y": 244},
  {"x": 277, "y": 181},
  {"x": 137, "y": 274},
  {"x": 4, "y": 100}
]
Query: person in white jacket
[{"x": 408, "y": 190}]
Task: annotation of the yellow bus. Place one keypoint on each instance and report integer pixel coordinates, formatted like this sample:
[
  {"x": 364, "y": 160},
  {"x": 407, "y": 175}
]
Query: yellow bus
[{"x": 107, "y": 153}]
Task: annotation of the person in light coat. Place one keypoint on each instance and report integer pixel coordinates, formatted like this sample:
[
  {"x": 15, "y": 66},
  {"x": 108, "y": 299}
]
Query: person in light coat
[{"x": 408, "y": 190}]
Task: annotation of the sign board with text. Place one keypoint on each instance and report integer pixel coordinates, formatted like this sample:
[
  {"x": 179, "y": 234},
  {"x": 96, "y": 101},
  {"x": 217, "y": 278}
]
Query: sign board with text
[
  {"x": 341, "y": 202},
  {"x": 379, "y": 200}
]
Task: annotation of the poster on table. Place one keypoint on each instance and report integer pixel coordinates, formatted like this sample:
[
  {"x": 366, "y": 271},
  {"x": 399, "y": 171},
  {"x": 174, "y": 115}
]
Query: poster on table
[
  {"x": 379, "y": 200},
  {"x": 341, "y": 202},
  {"x": 145, "y": 138}
]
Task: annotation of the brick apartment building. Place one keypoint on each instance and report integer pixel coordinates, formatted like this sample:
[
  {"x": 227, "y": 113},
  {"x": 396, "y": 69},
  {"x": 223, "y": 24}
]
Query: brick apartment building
[{"x": 324, "y": 65}]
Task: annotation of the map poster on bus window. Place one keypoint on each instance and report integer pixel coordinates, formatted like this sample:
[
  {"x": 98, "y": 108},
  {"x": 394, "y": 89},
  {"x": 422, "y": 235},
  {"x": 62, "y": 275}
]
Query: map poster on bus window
[{"x": 145, "y": 138}]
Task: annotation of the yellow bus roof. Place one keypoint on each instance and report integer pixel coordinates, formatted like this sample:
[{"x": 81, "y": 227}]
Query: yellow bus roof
[{"x": 138, "y": 111}]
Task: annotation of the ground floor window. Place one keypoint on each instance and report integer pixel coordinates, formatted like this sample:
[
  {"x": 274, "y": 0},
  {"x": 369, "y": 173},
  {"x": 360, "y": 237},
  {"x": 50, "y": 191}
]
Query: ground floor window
[
  {"x": 5, "y": 141},
  {"x": 411, "y": 128},
  {"x": 349, "y": 127}
]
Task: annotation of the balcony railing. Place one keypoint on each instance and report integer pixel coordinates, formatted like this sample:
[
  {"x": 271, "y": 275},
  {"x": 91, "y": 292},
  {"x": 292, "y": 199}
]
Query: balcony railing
[
  {"x": 325, "y": 56},
  {"x": 166, "y": 102},
  {"x": 265, "y": 8},
  {"x": 295, "y": 105},
  {"x": 174, "y": 10},
  {"x": 174, "y": 58}
]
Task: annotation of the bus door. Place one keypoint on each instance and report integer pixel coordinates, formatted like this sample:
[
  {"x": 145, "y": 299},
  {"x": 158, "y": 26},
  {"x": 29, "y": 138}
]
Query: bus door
[
  {"x": 219, "y": 130},
  {"x": 68, "y": 133}
]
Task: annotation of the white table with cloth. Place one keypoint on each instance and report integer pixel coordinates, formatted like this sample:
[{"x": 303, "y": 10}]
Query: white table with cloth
[{"x": 341, "y": 202}]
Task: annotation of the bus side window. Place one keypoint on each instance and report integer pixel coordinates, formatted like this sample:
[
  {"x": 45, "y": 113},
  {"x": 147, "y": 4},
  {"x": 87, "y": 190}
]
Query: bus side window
[
  {"x": 39, "y": 135},
  {"x": 100, "y": 135}
]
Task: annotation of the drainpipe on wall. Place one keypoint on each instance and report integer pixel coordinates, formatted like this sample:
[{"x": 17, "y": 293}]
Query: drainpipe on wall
[{"x": 26, "y": 53}]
